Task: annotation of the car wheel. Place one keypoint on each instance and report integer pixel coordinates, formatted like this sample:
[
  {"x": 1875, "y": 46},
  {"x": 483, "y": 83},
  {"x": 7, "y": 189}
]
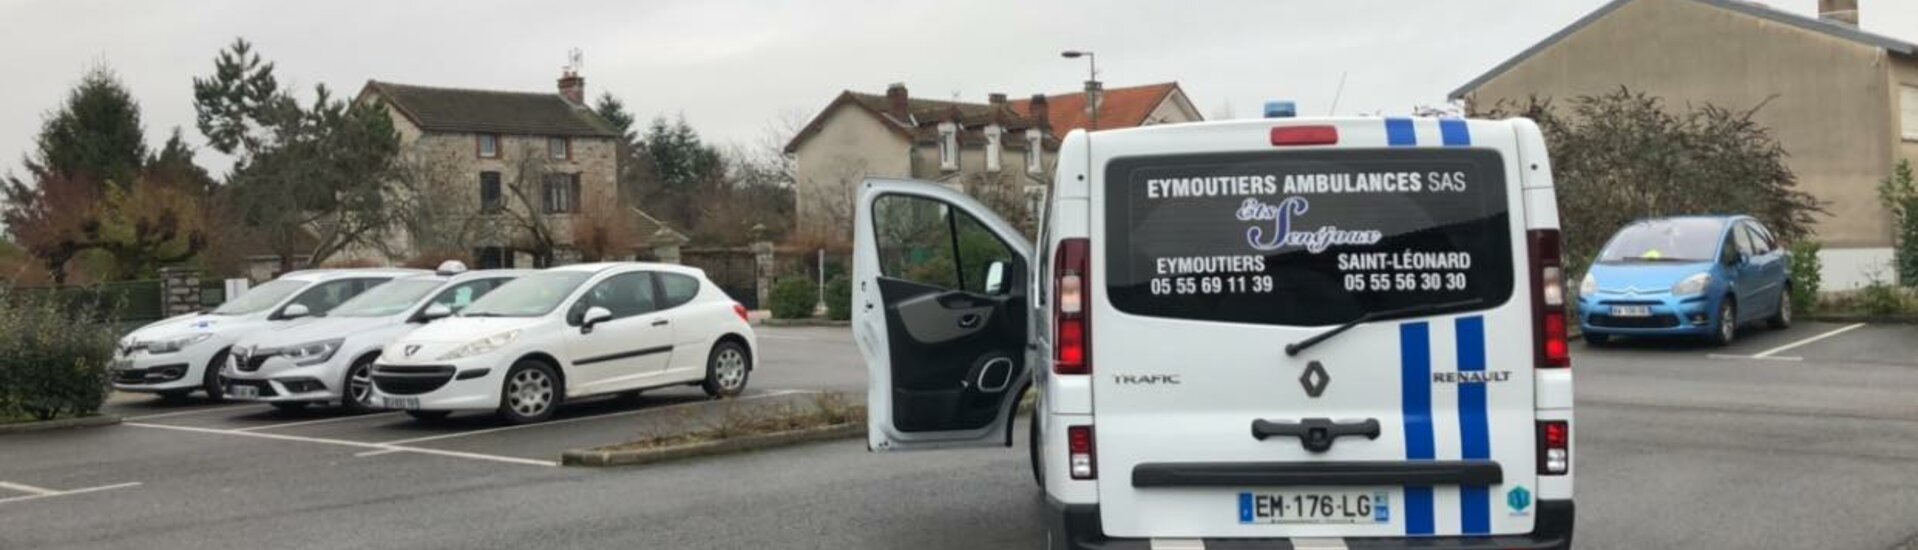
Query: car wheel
[
  {"x": 210, "y": 381},
  {"x": 530, "y": 394},
  {"x": 356, "y": 391},
  {"x": 1595, "y": 339},
  {"x": 1783, "y": 319},
  {"x": 289, "y": 406},
  {"x": 429, "y": 416},
  {"x": 726, "y": 370},
  {"x": 1032, "y": 435},
  {"x": 1727, "y": 328}
]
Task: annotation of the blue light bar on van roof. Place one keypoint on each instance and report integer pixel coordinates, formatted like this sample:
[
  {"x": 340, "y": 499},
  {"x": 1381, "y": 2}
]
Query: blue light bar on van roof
[{"x": 1281, "y": 109}]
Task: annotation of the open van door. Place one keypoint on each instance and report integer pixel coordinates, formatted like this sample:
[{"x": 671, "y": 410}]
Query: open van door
[{"x": 940, "y": 311}]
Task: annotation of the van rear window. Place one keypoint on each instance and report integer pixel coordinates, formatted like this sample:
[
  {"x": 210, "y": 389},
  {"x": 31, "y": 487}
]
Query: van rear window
[{"x": 1307, "y": 238}]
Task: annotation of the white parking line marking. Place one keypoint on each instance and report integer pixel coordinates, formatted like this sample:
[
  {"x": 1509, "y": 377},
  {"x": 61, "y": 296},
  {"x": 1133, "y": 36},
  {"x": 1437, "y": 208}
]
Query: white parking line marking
[
  {"x": 52, "y": 493},
  {"x": 1750, "y": 357},
  {"x": 177, "y": 413},
  {"x": 29, "y": 489},
  {"x": 360, "y": 444},
  {"x": 576, "y": 419},
  {"x": 1835, "y": 332},
  {"x": 315, "y": 421}
]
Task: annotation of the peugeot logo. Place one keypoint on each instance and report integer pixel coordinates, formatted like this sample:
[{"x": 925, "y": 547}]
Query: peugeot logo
[{"x": 412, "y": 349}]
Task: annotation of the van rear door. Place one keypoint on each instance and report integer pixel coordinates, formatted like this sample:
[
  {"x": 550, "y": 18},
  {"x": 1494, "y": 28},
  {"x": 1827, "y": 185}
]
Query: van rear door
[{"x": 1218, "y": 250}]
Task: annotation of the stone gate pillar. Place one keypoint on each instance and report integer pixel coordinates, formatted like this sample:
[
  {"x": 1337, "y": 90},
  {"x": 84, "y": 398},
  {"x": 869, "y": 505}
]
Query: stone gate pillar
[
  {"x": 179, "y": 290},
  {"x": 762, "y": 249}
]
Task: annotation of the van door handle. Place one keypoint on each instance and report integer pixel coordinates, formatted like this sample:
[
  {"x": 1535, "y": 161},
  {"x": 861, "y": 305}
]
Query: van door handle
[
  {"x": 1316, "y": 434},
  {"x": 969, "y": 320},
  {"x": 661, "y": 322}
]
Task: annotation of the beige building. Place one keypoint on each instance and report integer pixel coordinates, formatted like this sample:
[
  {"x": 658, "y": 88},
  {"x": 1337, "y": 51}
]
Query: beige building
[
  {"x": 1001, "y": 151},
  {"x": 498, "y": 172},
  {"x": 1843, "y": 102}
]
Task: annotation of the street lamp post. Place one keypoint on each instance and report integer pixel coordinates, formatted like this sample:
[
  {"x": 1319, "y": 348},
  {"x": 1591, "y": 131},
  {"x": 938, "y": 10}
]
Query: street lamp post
[{"x": 1092, "y": 74}]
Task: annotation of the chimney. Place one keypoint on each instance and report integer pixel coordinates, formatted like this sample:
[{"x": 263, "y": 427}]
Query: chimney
[
  {"x": 896, "y": 102},
  {"x": 1843, "y": 12},
  {"x": 572, "y": 87},
  {"x": 1040, "y": 114},
  {"x": 1095, "y": 98}
]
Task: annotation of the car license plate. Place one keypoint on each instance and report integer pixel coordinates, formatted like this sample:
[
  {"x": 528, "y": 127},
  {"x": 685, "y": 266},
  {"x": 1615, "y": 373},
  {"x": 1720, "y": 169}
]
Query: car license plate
[
  {"x": 238, "y": 391},
  {"x": 1631, "y": 311},
  {"x": 1314, "y": 507},
  {"x": 402, "y": 403}
]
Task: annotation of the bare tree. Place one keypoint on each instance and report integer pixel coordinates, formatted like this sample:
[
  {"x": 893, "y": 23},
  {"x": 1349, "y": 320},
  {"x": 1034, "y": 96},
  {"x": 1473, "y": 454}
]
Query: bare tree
[{"x": 436, "y": 209}]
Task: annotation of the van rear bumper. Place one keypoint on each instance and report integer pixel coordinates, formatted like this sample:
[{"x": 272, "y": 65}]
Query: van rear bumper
[{"x": 1077, "y": 527}]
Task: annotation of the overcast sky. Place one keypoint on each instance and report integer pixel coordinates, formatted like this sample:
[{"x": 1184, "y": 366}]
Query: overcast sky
[{"x": 734, "y": 66}]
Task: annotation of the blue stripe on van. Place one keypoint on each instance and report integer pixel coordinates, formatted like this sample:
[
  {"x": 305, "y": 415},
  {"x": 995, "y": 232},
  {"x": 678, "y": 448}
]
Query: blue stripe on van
[
  {"x": 1415, "y": 398},
  {"x": 1454, "y": 132},
  {"x": 1474, "y": 428},
  {"x": 1399, "y": 133}
]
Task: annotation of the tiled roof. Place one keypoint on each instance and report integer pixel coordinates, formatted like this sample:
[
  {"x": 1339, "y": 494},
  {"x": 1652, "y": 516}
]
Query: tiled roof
[
  {"x": 1121, "y": 108},
  {"x": 924, "y": 116},
  {"x": 486, "y": 111}
]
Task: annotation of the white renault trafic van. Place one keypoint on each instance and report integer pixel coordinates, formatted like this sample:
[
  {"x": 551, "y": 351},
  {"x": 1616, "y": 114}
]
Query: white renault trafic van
[{"x": 1279, "y": 333}]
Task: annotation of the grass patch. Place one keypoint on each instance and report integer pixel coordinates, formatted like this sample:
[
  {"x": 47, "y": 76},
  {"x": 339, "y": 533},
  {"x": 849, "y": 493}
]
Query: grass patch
[{"x": 736, "y": 420}]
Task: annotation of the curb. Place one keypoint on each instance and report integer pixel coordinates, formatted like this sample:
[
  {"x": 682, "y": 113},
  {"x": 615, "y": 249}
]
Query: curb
[
  {"x": 60, "y": 424},
  {"x": 596, "y": 458},
  {"x": 1873, "y": 319},
  {"x": 808, "y": 322}
]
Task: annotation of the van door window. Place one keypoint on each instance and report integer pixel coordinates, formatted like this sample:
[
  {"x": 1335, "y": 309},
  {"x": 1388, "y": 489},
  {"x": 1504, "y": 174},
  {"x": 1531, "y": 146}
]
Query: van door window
[{"x": 928, "y": 242}]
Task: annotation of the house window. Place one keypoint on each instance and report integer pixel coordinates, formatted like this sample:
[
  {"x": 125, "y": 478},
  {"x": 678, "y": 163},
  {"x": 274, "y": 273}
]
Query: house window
[
  {"x": 488, "y": 146},
  {"x": 1908, "y": 98},
  {"x": 493, "y": 257},
  {"x": 948, "y": 146},
  {"x": 560, "y": 194},
  {"x": 489, "y": 193},
  {"x": 559, "y": 148},
  {"x": 992, "y": 148},
  {"x": 1034, "y": 153}
]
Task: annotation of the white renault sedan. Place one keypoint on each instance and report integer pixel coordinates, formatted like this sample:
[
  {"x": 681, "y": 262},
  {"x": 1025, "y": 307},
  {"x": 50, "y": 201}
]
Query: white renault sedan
[
  {"x": 570, "y": 332},
  {"x": 329, "y": 359}
]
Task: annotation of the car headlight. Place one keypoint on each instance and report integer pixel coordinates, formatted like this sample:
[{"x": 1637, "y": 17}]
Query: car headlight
[
  {"x": 1693, "y": 285},
  {"x": 171, "y": 345},
  {"x": 1588, "y": 286},
  {"x": 312, "y": 353},
  {"x": 482, "y": 345}
]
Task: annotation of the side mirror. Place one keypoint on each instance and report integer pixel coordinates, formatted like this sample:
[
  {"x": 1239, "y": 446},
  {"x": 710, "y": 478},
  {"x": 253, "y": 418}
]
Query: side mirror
[
  {"x": 295, "y": 311},
  {"x": 996, "y": 277},
  {"x": 435, "y": 312},
  {"x": 594, "y": 315}
]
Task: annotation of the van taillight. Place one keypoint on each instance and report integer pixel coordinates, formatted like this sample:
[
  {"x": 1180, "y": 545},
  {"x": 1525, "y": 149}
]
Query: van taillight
[
  {"x": 1080, "y": 453},
  {"x": 1305, "y": 135},
  {"x": 1554, "y": 447},
  {"x": 1072, "y": 327},
  {"x": 1548, "y": 299}
]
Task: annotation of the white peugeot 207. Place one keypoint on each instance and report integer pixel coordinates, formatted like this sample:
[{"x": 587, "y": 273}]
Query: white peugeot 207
[
  {"x": 570, "y": 332},
  {"x": 329, "y": 359},
  {"x": 184, "y": 354},
  {"x": 1276, "y": 333}
]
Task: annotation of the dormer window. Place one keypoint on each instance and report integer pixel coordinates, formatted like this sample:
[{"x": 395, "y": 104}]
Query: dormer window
[
  {"x": 992, "y": 147},
  {"x": 948, "y": 146},
  {"x": 1035, "y": 152},
  {"x": 488, "y": 146}
]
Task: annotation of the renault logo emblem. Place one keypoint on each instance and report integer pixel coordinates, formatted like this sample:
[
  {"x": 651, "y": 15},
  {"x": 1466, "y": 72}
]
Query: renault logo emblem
[
  {"x": 1315, "y": 379},
  {"x": 412, "y": 349}
]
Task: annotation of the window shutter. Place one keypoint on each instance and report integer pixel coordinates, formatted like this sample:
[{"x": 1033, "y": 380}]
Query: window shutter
[{"x": 1908, "y": 101}]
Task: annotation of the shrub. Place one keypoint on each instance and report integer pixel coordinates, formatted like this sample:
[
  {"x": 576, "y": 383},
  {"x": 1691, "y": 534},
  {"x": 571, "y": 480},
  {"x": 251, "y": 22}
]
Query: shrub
[
  {"x": 1805, "y": 278},
  {"x": 54, "y": 358},
  {"x": 1900, "y": 195},
  {"x": 793, "y": 298},
  {"x": 1879, "y": 298},
  {"x": 839, "y": 299}
]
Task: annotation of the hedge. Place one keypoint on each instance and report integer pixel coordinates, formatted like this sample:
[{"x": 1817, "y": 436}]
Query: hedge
[
  {"x": 54, "y": 358},
  {"x": 839, "y": 299},
  {"x": 793, "y": 298}
]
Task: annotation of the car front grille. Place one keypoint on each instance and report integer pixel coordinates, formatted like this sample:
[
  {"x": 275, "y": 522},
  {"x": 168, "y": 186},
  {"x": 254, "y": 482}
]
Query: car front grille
[
  {"x": 1662, "y": 320},
  {"x": 411, "y": 379},
  {"x": 150, "y": 375},
  {"x": 251, "y": 360}
]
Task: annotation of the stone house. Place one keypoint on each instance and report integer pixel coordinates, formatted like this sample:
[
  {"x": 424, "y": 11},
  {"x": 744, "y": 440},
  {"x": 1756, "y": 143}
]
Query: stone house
[
  {"x": 1843, "y": 102},
  {"x": 1000, "y": 151},
  {"x": 501, "y": 171}
]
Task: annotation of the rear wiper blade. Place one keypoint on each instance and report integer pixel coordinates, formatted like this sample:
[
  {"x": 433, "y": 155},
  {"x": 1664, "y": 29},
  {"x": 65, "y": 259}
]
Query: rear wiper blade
[{"x": 1296, "y": 347}]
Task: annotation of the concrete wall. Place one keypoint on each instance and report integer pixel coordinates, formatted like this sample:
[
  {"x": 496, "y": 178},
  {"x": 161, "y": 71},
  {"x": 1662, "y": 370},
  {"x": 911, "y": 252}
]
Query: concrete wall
[
  {"x": 851, "y": 145},
  {"x": 1828, "y": 97}
]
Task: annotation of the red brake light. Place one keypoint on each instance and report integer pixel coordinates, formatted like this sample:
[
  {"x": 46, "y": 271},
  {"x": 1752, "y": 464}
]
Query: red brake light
[
  {"x": 1305, "y": 135},
  {"x": 1081, "y": 453},
  {"x": 1554, "y": 447},
  {"x": 1548, "y": 299},
  {"x": 1072, "y": 327},
  {"x": 740, "y": 309}
]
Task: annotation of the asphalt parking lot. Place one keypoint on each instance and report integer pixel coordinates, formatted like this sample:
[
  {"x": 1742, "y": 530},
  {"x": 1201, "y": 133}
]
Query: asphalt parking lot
[{"x": 1803, "y": 438}]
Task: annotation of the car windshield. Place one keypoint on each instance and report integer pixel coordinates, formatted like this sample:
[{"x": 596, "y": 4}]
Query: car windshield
[
  {"x": 530, "y": 296},
  {"x": 386, "y": 299},
  {"x": 260, "y": 298},
  {"x": 1673, "y": 240}
]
